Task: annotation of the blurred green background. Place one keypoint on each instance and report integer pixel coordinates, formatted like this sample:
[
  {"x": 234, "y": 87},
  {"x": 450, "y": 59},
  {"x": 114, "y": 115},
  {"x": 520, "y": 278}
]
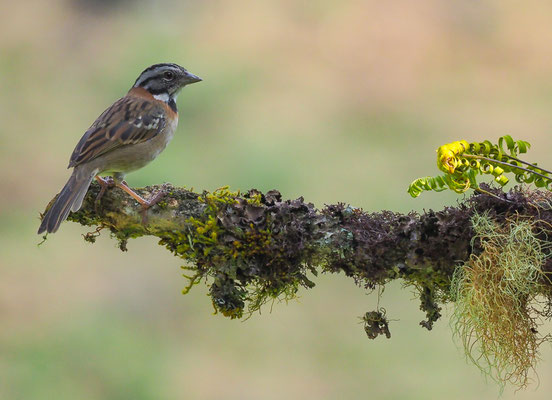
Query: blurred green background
[{"x": 335, "y": 101}]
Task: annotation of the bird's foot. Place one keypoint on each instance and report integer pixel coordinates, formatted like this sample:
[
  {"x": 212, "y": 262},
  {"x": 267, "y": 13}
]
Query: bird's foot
[
  {"x": 146, "y": 204},
  {"x": 105, "y": 183},
  {"x": 153, "y": 200}
]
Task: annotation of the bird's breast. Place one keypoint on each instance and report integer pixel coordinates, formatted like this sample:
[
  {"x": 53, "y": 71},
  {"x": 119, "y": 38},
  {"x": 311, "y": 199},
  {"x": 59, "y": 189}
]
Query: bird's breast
[{"x": 166, "y": 136}]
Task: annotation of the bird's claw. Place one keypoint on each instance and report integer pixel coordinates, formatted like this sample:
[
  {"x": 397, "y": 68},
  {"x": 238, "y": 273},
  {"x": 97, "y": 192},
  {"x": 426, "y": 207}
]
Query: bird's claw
[
  {"x": 153, "y": 200},
  {"x": 105, "y": 183}
]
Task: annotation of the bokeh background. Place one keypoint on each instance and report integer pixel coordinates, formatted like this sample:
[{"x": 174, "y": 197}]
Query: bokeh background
[{"x": 330, "y": 100}]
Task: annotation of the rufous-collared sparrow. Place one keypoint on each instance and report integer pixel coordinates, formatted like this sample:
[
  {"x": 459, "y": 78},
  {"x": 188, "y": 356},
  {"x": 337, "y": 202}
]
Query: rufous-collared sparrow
[{"x": 125, "y": 137}]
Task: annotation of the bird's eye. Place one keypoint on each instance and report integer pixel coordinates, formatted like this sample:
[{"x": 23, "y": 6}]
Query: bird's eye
[{"x": 168, "y": 75}]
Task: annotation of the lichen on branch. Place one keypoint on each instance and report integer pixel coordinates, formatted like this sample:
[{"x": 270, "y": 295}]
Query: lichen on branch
[
  {"x": 497, "y": 310},
  {"x": 254, "y": 247}
]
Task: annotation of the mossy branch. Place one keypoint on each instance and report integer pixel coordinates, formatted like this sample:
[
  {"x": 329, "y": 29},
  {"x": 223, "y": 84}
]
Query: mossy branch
[{"x": 253, "y": 247}]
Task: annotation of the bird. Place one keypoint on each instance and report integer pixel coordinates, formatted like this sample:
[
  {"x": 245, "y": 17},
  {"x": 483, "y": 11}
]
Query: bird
[{"x": 125, "y": 137}]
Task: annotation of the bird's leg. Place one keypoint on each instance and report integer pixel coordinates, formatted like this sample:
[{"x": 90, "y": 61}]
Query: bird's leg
[
  {"x": 105, "y": 184},
  {"x": 145, "y": 203}
]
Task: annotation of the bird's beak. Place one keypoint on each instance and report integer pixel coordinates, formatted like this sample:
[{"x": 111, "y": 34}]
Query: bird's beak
[{"x": 191, "y": 78}]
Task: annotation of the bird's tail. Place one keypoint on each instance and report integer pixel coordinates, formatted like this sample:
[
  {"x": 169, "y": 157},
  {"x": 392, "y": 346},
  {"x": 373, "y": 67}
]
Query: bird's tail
[{"x": 69, "y": 199}]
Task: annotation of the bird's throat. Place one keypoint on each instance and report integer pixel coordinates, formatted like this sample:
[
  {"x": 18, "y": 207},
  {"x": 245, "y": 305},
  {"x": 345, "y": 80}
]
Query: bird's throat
[{"x": 166, "y": 98}]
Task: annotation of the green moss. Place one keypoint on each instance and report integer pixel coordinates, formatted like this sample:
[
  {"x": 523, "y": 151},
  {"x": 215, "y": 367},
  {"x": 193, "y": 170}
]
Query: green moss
[
  {"x": 162, "y": 204},
  {"x": 219, "y": 198},
  {"x": 86, "y": 219},
  {"x": 242, "y": 250}
]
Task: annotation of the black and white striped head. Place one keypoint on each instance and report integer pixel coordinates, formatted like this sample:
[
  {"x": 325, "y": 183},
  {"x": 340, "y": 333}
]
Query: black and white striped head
[{"x": 164, "y": 81}]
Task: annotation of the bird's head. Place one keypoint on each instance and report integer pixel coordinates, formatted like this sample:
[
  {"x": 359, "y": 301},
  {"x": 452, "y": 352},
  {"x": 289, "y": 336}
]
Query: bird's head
[{"x": 165, "y": 80}]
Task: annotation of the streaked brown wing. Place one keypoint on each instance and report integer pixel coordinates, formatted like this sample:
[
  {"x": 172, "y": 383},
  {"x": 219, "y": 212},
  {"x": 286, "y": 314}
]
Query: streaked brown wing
[{"x": 129, "y": 120}]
